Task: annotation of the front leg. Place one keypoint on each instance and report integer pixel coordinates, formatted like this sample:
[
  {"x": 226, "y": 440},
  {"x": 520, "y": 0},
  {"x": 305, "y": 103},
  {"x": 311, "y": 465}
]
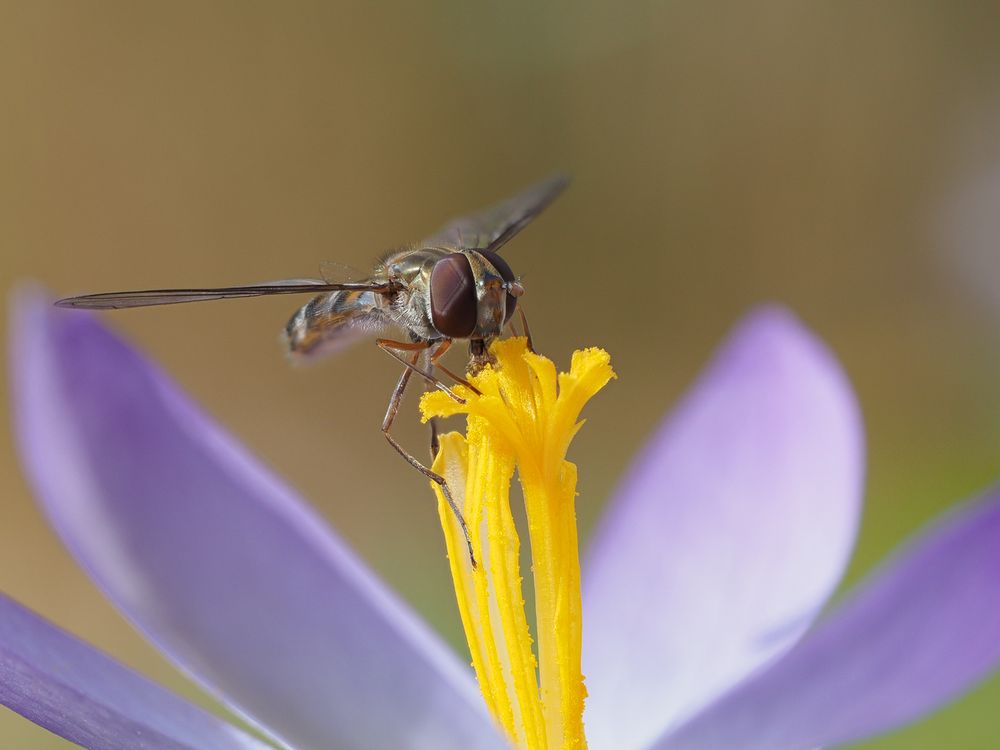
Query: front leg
[
  {"x": 390, "y": 417},
  {"x": 392, "y": 348}
]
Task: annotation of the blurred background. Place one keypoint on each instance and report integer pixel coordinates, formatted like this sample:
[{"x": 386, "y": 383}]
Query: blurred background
[{"x": 841, "y": 158}]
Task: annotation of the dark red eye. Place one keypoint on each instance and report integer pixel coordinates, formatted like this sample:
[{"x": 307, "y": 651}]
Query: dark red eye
[
  {"x": 453, "y": 297},
  {"x": 507, "y": 275}
]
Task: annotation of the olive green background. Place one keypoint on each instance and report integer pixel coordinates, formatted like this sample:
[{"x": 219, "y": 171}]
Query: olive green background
[{"x": 824, "y": 155}]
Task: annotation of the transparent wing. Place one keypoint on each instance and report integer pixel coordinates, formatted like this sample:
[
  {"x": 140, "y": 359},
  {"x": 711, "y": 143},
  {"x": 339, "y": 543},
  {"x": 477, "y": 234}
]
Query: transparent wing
[
  {"x": 492, "y": 227},
  {"x": 333, "y": 271},
  {"x": 149, "y": 297}
]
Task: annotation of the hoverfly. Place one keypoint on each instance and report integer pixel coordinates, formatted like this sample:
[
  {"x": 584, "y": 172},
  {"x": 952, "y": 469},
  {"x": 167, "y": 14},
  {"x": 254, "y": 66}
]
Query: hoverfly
[{"x": 452, "y": 285}]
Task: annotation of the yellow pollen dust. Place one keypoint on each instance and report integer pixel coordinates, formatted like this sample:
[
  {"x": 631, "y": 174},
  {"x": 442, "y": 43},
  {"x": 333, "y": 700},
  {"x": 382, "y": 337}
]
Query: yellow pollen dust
[{"x": 523, "y": 417}]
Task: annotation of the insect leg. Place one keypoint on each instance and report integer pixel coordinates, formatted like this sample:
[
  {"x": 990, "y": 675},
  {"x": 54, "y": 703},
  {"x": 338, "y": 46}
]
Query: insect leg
[
  {"x": 432, "y": 423},
  {"x": 390, "y": 417},
  {"x": 392, "y": 348},
  {"x": 527, "y": 331},
  {"x": 405, "y": 346},
  {"x": 433, "y": 361},
  {"x": 436, "y": 356},
  {"x": 435, "y": 445}
]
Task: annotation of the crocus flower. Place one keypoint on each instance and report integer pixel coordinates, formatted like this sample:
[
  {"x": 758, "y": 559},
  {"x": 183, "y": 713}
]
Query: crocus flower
[{"x": 701, "y": 590}]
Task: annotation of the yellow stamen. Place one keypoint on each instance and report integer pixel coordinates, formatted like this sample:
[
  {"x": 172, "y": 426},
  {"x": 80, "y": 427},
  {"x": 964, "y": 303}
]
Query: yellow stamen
[{"x": 524, "y": 417}]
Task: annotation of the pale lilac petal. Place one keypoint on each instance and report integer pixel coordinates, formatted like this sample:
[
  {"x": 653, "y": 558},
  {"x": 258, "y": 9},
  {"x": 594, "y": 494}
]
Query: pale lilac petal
[
  {"x": 916, "y": 634},
  {"x": 217, "y": 561},
  {"x": 728, "y": 535},
  {"x": 64, "y": 685}
]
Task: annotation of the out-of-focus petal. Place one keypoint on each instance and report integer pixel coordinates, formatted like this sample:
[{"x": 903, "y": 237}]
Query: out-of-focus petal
[
  {"x": 77, "y": 692},
  {"x": 728, "y": 535},
  {"x": 916, "y": 634},
  {"x": 217, "y": 561}
]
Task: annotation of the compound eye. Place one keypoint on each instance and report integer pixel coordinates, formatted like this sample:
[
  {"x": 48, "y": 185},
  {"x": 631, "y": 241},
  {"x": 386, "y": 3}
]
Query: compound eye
[
  {"x": 507, "y": 275},
  {"x": 453, "y": 297}
]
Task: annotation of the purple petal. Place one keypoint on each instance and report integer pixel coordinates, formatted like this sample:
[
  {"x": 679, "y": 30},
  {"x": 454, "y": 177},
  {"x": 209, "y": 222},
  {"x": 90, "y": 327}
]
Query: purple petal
[
  {"x": 919, "y": 632},
  {"x": 728, "y": 535},
  {"x": 71, "y": 689},
  {"x": 217, "y": 561}
]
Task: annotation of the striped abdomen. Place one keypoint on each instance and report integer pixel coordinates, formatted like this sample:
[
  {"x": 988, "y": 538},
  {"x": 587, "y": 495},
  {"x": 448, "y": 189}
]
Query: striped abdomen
[{"x": 330, "y": 322}]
